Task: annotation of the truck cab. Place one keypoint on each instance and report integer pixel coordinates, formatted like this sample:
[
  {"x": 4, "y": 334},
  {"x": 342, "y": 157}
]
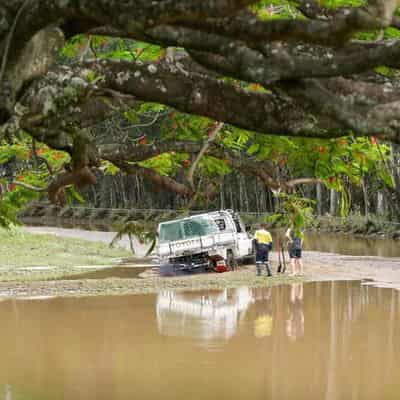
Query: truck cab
[{"x": 209, "y": 241}]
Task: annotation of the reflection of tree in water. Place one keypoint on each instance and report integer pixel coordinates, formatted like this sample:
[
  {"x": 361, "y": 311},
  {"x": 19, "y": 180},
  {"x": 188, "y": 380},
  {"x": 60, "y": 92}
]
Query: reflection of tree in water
[
  {"x": 214, "y": 315},
  {"x": 295, "y": 322}
]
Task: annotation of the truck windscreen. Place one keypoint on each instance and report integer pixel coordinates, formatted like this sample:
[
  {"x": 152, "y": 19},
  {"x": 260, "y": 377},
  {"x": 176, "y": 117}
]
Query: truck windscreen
[{"x": 187, "y": 228}]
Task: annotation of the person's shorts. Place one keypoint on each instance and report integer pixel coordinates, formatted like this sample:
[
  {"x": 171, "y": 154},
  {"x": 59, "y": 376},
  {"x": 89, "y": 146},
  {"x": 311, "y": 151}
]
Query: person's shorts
[
  {"x": 295, "y": 253},
  {"x": 262, "y": 253}
]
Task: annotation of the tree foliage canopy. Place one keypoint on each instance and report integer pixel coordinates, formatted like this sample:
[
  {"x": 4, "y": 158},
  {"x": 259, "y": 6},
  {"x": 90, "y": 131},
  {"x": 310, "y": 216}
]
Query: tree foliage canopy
[{"x": 271, "y": 72}]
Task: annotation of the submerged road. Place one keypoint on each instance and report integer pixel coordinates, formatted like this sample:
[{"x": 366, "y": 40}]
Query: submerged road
[{"x": 319, "y": 266}]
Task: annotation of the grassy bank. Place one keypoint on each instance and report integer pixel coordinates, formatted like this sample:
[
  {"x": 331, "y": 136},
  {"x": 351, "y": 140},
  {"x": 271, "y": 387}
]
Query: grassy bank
[{"x": 37, "y": 256}]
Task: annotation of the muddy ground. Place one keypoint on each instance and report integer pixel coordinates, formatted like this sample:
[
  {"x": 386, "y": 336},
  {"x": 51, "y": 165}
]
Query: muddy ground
[
  {"x": 41, "y": 281},
  {"x": 385, "y": 272}
]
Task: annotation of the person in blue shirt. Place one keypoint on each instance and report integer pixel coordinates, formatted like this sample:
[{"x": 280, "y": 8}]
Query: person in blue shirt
[{"x": 295, "y": 247}]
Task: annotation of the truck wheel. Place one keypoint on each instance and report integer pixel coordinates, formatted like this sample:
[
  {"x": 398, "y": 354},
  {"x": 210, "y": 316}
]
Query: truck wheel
[
  {"x": 231, "y": 262},
  {"x": 249, "y": 260},
  {"x": 167, "y": 270}
]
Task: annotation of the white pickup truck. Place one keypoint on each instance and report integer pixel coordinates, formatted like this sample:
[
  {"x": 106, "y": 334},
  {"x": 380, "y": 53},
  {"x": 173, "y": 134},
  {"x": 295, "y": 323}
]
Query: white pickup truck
[{"x": 211, "y": 241}]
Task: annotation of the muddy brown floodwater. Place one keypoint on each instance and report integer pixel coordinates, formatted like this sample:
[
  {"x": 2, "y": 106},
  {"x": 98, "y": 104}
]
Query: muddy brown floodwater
[
  {"x": 351, "y": 245},
  {"x": 327, "y": 340}
]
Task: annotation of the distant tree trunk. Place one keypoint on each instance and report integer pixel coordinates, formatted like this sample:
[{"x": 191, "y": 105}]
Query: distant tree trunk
[
  {"x": 319, "y": 198},
  {"x": 257, "y": 196},
  {"x": 221, "y": 196},
  {"x": 245, "y": 194},
  {"x": 241, "y": 198},
  {"x": 231, "y": 197},
  {"x": 333, "y": 201},
  {"x": 123, "y": 191},
  {"x": 270, "y": 205},
  {"x": 365, "y": 198},
  {"x": 131, "y": 243},
  {"x": 380, "y": 207},
  {"x": 276, "y": 202}
]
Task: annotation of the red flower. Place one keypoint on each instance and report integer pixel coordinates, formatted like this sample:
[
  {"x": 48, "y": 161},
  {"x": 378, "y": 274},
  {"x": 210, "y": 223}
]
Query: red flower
[
  {"x": 374, "y": 140},
  {"x": 255, "y": 86}
]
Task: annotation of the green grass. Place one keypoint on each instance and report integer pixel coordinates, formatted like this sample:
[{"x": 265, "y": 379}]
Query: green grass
[{"x": 20, "y": 249}]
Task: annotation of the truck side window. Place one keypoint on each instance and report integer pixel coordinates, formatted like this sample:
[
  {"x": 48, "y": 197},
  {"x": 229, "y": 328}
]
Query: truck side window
[
  {"x": 221, "y": 224},
  {"x": 238, "y": 227}
]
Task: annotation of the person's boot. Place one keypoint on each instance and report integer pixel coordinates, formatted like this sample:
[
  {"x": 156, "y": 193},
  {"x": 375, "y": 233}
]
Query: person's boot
[
  {"x": 258, "y": 266},
  {"x": 268, "y": 269}
]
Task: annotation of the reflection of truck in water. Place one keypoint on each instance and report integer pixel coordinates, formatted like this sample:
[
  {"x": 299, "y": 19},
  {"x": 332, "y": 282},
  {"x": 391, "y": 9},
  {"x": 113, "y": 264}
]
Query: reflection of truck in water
[
  {"x": 207, "y": 316},
  {"x": 210, "y": 241}
]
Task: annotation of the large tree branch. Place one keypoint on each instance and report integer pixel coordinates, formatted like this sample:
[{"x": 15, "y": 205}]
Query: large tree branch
[
  {"x": 275, "y": 61},
  {"x": 79, "y": 178},
  {"x": 140, "y": 152},
  {"x": 328, "y": 31},
  {"x": 264, "y": 170},
  {"x": 366, "y": 116},
  {"x": 200, "y": 94},
  {"x": 212, "y": 136},
  {"x": 22, "y": 20},
  {"x": 286, "y": 110},
  {"x": 119, "y": 14},
  {"x": 231, "y": 57},
  {"x": 35, "y": 58},
  {"x": 165, "y": 83},
  {"x": 161, "y": 181}
]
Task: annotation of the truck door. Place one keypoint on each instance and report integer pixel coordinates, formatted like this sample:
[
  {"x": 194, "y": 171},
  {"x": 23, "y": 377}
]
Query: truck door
[{"x": 245, "y": 242}]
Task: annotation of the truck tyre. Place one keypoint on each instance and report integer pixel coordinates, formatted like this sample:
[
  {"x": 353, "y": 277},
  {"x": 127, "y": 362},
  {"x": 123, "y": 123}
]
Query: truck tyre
[
  {"x": 249, "y": 260},
  {"x": 231, "y": 262},
  {"x": 167, "y": 269}
]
